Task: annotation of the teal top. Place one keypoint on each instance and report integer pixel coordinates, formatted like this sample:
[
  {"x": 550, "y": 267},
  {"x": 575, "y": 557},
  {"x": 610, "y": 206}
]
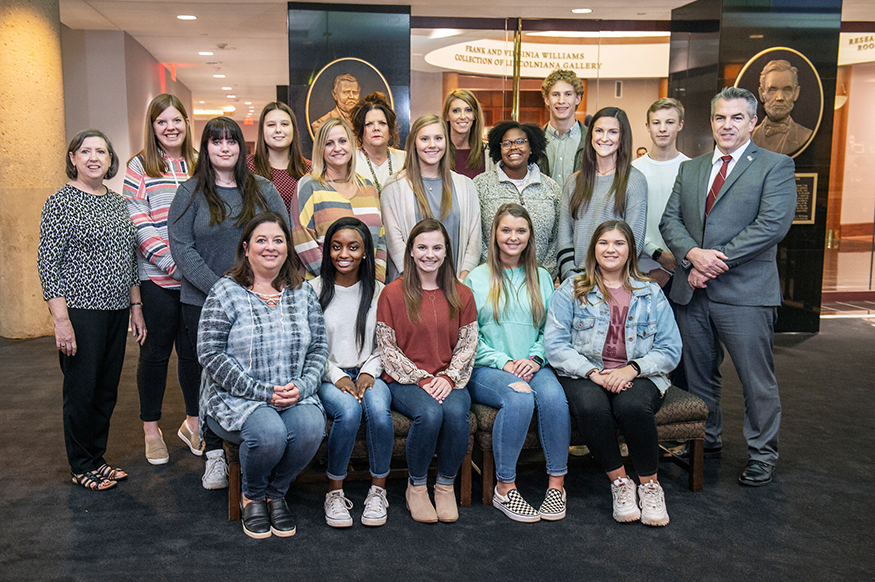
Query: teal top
[{"x": 513, "y": 336}]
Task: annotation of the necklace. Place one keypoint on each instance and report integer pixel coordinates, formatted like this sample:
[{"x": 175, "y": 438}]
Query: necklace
[
  {"x": 227, "y": 183},
  {"x": 606, "y": 172},
  {"x": 373, "y": 173}
]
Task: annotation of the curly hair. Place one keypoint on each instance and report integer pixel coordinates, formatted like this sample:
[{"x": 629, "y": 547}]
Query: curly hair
[{"x": 535, "y": 135}]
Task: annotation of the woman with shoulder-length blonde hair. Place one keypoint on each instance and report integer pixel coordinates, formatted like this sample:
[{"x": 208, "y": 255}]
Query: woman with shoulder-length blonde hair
[
  {"x": 278, "y": 155},
  {"x": 611, "y": 336},
  {"x": 427, "y": 335},
  {"x": 152, "y": 178},
  {"x": 607, "y": 187},
  {"x": 428, "y": 188},
  {"x": 464, "y": 117},
  {"x": 333, "y": 190},
  {"x": 512, "y": 293}
]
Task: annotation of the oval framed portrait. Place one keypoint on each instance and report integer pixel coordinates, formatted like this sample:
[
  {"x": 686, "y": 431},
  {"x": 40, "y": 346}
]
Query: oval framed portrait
[
  {"x": 790, "y": 96},
  {"x": 338, "y": 87}
]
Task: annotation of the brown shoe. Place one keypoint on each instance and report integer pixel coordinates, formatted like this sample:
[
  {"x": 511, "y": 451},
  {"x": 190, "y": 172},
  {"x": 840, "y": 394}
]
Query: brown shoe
[
  {"x": 445, "y": 503},
  {"x": 419, "y": 504},
  {"x": 156, "y": 450}
]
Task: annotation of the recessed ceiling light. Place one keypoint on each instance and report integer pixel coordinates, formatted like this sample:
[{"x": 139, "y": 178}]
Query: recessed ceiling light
[
  {"x": 186, "y": 17},
  {"x": 205, "y": 54},
  {"x": 231, "y": 96},
  {"x": 227, "y": 88},
  {"x": 756, "y": 36},
  {"x": 581, "y": 10},
  {"x": 444, "y": 33},
  {"x": 200, "y": 102},
  {"x": 249, "y": 103},
  {"x": 219, "y": 76},
  {"x": 229, "y": 108}
]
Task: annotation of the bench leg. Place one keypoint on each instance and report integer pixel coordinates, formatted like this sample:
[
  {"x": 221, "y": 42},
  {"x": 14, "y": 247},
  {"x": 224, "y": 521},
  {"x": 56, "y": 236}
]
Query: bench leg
[
  {"x": 234, "y": 492},
  {"x": 488, "y": 476},
  {"x": 465, "y": 485},
  {"x": 696, "y": 467}
]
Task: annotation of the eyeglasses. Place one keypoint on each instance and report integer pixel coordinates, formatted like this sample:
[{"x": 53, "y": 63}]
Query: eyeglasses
[{"x": 520, "y": 142}]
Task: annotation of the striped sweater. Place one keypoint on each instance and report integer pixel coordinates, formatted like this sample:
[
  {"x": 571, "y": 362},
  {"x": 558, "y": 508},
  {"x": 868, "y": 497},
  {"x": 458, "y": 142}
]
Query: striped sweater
[
  {"x": 148, "y": 200},
  {"x": 319, "y": 205}
]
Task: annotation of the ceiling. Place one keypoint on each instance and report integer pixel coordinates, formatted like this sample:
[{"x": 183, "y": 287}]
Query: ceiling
[{"x": 248, "y": 38}]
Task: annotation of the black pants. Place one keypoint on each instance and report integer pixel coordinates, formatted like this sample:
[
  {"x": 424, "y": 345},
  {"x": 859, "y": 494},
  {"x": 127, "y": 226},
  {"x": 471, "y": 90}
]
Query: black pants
[
  {"x": 163, "y": 314},
  {"x": 678, "y": 377},
  {"x": 91, "y": 384},
  {"x": 191, "y": 316},
  {"x": 599, "y": 413}
]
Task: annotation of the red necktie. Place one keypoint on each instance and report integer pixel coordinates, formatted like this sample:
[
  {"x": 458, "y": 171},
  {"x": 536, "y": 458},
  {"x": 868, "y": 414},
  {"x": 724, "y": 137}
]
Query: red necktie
[{"x": 718, "y": 183}]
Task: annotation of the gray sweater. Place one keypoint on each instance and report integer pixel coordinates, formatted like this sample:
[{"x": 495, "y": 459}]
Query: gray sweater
[
  {"x": 203, "y": 252},
  {"x": 575, "y": 233}
]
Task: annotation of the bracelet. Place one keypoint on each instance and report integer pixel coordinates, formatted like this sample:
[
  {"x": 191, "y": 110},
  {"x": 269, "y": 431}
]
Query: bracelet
[
  {"x": 635, "y": 366},
  {"x": 137, "y": 303},
  {"x": 590, "y": 373}
]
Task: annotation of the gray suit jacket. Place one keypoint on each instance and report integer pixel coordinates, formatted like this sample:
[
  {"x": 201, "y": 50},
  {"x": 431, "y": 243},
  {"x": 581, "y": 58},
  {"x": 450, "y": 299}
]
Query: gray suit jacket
[{"x": 753, "y": 212}]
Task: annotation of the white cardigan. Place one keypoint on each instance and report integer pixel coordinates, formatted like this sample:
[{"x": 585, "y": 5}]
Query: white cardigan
[{"x": 398, "y": 206}]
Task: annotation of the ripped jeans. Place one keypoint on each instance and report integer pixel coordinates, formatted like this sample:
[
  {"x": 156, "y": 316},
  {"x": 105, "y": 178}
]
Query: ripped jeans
[{"x": 493, "y": 387}]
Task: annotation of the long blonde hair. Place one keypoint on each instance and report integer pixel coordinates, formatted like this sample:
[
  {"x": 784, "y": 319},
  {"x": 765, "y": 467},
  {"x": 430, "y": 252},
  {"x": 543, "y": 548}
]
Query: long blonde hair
[
  {"x": 475, "y": 132},
  {"x": 592, "y": 278},
  {"x": 411, "y": 284},
  {"x": 153, "y": 162},
  {"x": 413, "y": 172},
  {"x": 498, "y": 279}
]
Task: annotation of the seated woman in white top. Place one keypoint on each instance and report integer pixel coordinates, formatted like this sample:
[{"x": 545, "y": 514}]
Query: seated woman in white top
[{"x": 427, "y": 188}]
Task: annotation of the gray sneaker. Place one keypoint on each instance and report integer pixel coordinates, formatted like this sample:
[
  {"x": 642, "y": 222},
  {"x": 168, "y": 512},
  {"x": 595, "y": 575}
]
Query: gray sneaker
[
  {"x": 376, "y": 507},
  {"x": 216, "y": 471},
  {"x": 337, "y": 508}
]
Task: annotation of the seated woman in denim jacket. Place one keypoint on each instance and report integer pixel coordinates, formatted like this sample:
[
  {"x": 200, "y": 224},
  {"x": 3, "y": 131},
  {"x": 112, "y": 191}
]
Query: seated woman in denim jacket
[
  {"x": 261, "y": 341},
  {"x": 612, "y": 338},
  {"x": 348, "y": 292}
]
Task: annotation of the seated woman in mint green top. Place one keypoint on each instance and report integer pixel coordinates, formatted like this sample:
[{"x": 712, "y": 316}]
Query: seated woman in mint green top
[{"x": 512, "y": 294}]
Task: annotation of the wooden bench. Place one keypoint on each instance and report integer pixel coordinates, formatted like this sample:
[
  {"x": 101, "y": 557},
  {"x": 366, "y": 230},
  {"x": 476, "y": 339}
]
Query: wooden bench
[{"x": 681, "y": 418}]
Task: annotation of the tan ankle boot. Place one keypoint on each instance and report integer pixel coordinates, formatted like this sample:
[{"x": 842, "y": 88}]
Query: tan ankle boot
[
  {"x": 445, "y": 503},
  {"x": 419, "y": 504}
]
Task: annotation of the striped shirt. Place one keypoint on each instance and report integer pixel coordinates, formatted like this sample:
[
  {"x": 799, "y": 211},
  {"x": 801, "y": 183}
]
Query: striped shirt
[
  {"x": 148, "y": 200},
  {"x": 319, "y": 206}
]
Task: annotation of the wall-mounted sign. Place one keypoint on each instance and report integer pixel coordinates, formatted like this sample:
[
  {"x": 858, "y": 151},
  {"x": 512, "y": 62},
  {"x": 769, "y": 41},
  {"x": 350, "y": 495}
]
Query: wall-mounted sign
[
  {"x": 856, "y": 47},
  {"x": 791, "y": 99},
  {"x": 495, "y": 57},
  {"x": 806, "y": 196}
]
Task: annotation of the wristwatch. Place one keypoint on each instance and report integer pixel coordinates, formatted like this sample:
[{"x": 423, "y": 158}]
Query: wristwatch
[
  {"x": 635, "y": 366},
  {"x": 656, "y": 254},
  {"x": 538, "y": 360}
]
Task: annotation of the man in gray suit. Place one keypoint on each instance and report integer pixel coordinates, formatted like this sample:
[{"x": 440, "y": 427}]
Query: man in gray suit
[{"x": 725, "y": 216}]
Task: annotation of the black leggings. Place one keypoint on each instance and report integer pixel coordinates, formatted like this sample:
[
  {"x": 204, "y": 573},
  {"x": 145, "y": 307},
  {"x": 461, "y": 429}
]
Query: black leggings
[
  {"x": 599, "y": 413},
  {"x": 191, "y": 316}
]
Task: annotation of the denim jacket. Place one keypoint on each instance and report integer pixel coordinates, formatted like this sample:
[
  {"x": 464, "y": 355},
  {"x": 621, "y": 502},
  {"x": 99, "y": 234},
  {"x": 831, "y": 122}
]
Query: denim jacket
[{"x": 575, "y": 332}]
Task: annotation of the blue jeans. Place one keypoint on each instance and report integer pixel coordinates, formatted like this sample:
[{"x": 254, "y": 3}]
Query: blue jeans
[
  {"x": 436, "y": 427},
  {"x": 275, "y": 445},
  {"x": 345, "y": 413},
  {"x": 493, "y": 387}
]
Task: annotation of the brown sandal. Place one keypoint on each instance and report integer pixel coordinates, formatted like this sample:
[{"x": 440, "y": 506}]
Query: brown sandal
[
  {"x": 93, "y": 481},
  {"x": 111, "y": 473}
]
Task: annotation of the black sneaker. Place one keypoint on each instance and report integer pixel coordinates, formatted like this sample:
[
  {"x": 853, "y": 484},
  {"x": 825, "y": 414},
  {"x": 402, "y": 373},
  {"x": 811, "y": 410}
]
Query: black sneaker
[
  {"x": 256, "y": 522},
  {"x": 514, "y": 506},
  {"x": 553, "y": 508},
  {"x": 281, "y": 522}
]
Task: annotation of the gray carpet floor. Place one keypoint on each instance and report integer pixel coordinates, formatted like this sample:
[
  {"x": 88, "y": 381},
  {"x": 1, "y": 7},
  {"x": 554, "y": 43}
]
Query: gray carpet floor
[{"x": 814, "y": 522}]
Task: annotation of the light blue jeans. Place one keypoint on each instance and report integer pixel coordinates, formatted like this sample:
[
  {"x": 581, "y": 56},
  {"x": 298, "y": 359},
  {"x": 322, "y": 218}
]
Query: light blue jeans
[
  {"x": 275, "y": 445},
  {"x": 493, "y": 387},
  {"x": 345, "y": 413}
]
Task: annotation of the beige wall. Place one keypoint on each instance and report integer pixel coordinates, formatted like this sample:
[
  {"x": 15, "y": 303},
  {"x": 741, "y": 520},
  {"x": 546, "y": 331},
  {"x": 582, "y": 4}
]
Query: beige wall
[
  {"x": 32, "y": 155},
  {"x": 638, "y": 94}
]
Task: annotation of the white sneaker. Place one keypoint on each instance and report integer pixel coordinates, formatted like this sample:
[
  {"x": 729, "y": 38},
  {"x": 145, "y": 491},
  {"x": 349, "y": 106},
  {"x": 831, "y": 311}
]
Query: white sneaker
[
  {"x": 376, "y": 506},
  {"x": 216, "y": 471},
  {"x": 625, "y": 505},
  {"x": 652, "y": 502},
  {"x": 337, "y": 509}
]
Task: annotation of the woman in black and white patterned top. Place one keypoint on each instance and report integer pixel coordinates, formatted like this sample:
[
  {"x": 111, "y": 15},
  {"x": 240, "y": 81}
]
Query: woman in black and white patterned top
[{"x": 88, "y": 269}]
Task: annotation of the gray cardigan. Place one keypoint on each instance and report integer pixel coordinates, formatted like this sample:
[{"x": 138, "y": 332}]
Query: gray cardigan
[{"x": 203, "y": 252}]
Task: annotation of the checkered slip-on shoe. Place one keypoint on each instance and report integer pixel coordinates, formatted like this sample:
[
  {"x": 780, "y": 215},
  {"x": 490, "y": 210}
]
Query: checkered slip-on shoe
[
  {"x": 514, "y": 506},
  {"x": 553, "y": 507}
]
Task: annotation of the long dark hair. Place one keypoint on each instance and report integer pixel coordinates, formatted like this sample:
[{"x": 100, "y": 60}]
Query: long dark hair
[
  {"x": 367, "y": 274},
  {"x": 289, "y": 274},
  {"x": 585, "y": 183},
  {"x": 205, "y": 174},
  {"x": 446, "y": 278},
  {"x": 261, "y": 159}
]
